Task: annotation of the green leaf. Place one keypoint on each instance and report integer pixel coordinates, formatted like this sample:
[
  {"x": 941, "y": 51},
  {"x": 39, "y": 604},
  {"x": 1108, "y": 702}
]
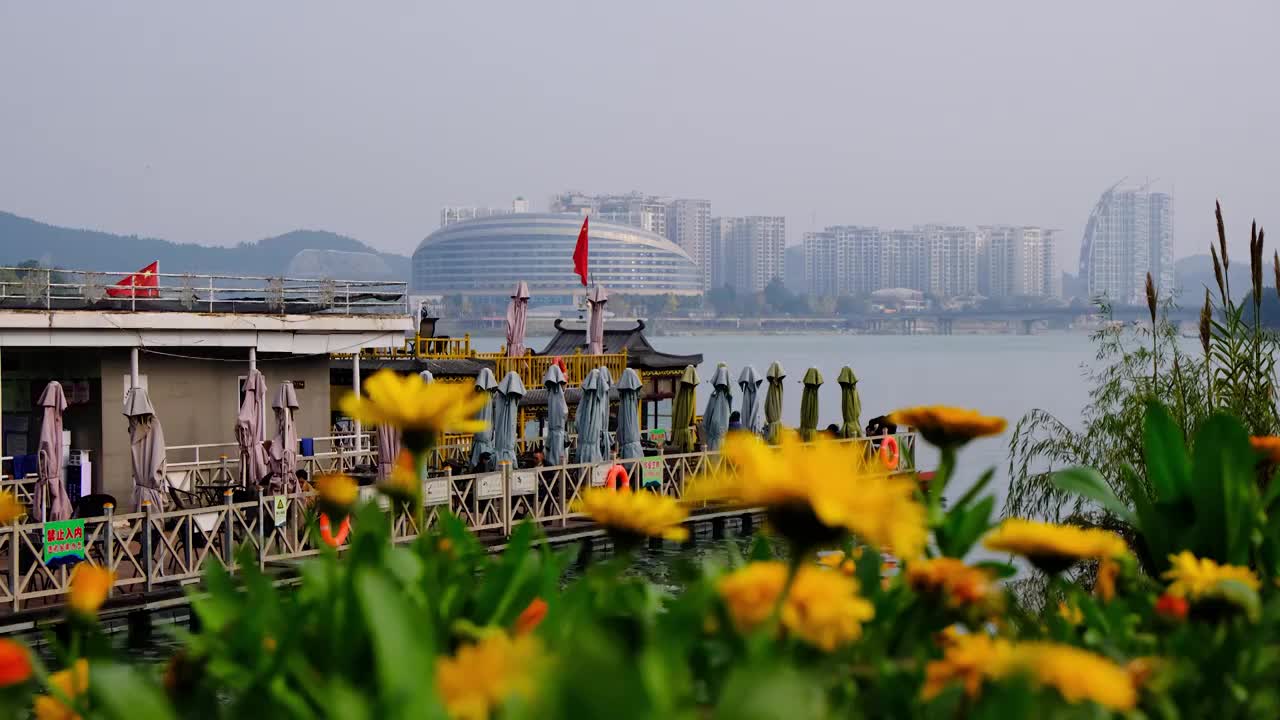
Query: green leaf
[
  {"x": 1088, "y": 483},
  {"x": 1240, "y": 595},
  {"x": 401, "y": 644},
  {"x": 999, "y": 569},
  {"x": 868, "y": 569},
  {"x": 1168, "y": 467},
  {"x": 121, "y": 693}
]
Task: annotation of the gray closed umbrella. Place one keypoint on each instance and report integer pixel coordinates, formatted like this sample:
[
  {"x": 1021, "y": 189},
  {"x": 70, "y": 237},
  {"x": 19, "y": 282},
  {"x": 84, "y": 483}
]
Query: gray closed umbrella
[
  {"x": 53, "y": 402},
  {"x": 557, "y": 414},
  {"x": 749, "y": 382},
  {"x": 284, "y": 448},
  {"x": 773, "y": 403},
  {"x": 809, "y": 404},
  {"x": 506, "y": 411},
  {"x": 587, "y": 420},
  {"x": 482, "y": 442},
  {"x": 254, "y": 463},
  {"x": 517, "y": 314},
  {"x": 426, "y": 376},
  {"x": 605, "y": 382},
  {"x": 146, "y": 450},
  {"x": 715, "y": 419},
  {"x": 595, "y": 327},
  {"x": 850, "y": 404},
  {"x": 629, "y": 446}
]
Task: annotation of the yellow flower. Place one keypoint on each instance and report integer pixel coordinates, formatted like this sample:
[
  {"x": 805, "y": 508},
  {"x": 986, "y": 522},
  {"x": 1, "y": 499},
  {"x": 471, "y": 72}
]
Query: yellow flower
[
  {"x": 823, "y": 608},
  {"x": 415, "y": 406},
  {"x": 337, "y": 493},
  {"x": 73, "y": 683},
  {"x": 1267, "y": 446},
  {"x": 10, "y": 508},
  {"x": 476, "y": 680},
  {"x": 1077, "y": 674},
  {"x": 968, "y": 659},
  {"x": 1054, "y": 548},
  {"x": 89, "y": 587},
  {"x": 815, "y": 493},
  {"x": 1070, "y": 613},
  {"x": 1195, "y": 578},
  {"x": 948, "y": 426},
  {"x": 836, "y": 560},
  {"x": 957, "y": 583},
  {"x": 632, "y": 515}
]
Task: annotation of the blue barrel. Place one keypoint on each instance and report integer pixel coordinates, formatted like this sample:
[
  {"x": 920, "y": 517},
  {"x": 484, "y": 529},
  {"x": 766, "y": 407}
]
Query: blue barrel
[{"x": 308, "y": 446}]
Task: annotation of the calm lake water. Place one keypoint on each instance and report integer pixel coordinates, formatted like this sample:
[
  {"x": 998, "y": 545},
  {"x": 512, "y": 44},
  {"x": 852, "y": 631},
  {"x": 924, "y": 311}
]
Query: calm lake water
[{"x": 1006, "y": 375}]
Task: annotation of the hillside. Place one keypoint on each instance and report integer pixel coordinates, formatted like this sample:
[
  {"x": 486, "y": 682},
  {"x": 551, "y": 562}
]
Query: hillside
[
  {"x": 24, "y": 239},
  {"x": 1194, "y": 273}
]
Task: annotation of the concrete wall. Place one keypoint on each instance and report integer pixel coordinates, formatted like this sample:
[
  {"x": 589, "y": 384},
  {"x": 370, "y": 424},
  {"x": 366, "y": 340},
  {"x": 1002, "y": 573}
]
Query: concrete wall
[{"x": 197, "y": 401}]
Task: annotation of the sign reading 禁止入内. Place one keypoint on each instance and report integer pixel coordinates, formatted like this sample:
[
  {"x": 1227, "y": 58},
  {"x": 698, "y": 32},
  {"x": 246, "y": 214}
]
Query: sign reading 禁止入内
[{"x": 64, "y": 541}]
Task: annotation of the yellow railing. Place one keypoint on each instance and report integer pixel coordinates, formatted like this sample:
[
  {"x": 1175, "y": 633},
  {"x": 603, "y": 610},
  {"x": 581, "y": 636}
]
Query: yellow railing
[
  {"x": 532, "y": 368},
  {"x": 444, "y": 347}
]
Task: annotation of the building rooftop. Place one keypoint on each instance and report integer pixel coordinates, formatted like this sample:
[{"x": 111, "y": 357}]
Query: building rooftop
[{"x": 619, "y": 336}]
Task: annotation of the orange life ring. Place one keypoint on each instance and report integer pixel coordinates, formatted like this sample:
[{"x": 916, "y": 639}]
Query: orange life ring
[
  {"x": 326, "y": 531},
  {"x": 611, "y": 480},
  {"x": 889, "y": 453}
]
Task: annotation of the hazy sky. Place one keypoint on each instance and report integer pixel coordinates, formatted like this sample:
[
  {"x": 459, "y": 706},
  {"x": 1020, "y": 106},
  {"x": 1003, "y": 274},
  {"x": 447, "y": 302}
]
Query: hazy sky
[{"x": 230, "y": 121}]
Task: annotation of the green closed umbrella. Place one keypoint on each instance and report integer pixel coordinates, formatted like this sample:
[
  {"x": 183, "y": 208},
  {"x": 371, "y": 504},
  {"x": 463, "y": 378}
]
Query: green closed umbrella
[
  {"x": 683, "y": 435},
  {"x": 773, "y": 403},
  {"x": 809, "y": 405},
  {"x": 850, "y": 403}
]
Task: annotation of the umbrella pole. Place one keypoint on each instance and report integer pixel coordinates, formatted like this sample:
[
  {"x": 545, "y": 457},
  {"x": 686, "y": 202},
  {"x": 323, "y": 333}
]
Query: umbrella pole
[{"x": 355, "y": 388}]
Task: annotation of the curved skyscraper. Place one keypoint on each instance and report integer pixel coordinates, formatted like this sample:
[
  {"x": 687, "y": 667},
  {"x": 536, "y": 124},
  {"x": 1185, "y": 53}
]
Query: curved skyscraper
[{"x": 1129, "y": 234}]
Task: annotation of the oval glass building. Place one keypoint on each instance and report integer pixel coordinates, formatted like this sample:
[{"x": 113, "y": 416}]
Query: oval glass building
[{"x": 486, "y": 257}]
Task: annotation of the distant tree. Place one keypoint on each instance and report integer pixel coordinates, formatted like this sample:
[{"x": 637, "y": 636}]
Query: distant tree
[
  {"x": 724, "y": 300},
  {"x": 850, "y": 305},
  {"x": 670, "y": 305}
]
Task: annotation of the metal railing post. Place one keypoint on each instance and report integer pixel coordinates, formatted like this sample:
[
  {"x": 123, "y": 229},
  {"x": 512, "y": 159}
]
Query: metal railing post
[
  {"x": 13, "y": 565},
  {"x": 109, "y": 510},
  {"x": 562, "y": 475},
  {"x": 147, "y": 562},
  {"x": 262, "y": 529},
  {"x": 229, "y": 527},
  {"x": 210, "y": 293},
  {"x": 505, "y": 468}
]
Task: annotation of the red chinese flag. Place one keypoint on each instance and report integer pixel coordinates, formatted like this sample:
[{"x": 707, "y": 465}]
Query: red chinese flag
[
  {"x": 580, "y": 253},
  {"x": 143, "y": 284}
]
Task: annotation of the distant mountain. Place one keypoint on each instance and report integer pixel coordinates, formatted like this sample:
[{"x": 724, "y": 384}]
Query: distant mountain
[
  {"x": 25, "y": 239},
  {"x": 1193, "y": 274}
]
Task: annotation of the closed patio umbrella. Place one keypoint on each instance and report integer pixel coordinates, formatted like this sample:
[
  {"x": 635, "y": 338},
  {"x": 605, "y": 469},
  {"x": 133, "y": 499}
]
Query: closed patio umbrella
[
  {"x": 595, "y": 327},
  {"x": 629, "y": 416},
  {"x": 850, "y": 403},
  {"x": 773, "y": 403},
  {"x": 749, "y": 382},
  {"x": 146, "y": 450},
  {"x": 482, "y": 442},
  {"x": 683, "y": 435},
  {"x": 587, "y": 420},
  {"x": 388, "y": 450},
  {"x": 53, "y": 402},
  {"x": 715, "y": 419},
  {"x": 284, "y": 448},
  {"x": 557, "y": 414},
  {"x": 517, "y": 314},
  {"x": 426, "y": 376},
  {"x": 809, "y": 404},
  {"x": 605, "y": 383},
  {"x": 506, "y": 411},
  {"x": 254, "y": 463}
]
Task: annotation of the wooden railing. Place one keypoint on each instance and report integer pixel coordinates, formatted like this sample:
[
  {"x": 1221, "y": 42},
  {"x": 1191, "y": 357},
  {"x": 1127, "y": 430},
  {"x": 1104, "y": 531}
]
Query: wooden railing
[{"x": 153, "y": 550}]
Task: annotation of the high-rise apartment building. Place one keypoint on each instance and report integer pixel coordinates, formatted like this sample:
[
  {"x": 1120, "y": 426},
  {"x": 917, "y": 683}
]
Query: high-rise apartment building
[
  {"x": 1021, "y": 261},
  {"x": 1129, "y": 234},
  {"x": 688, "y": 224},
  {"x": 748, "y": 252},
  {"x": 856, "y": 260}
]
